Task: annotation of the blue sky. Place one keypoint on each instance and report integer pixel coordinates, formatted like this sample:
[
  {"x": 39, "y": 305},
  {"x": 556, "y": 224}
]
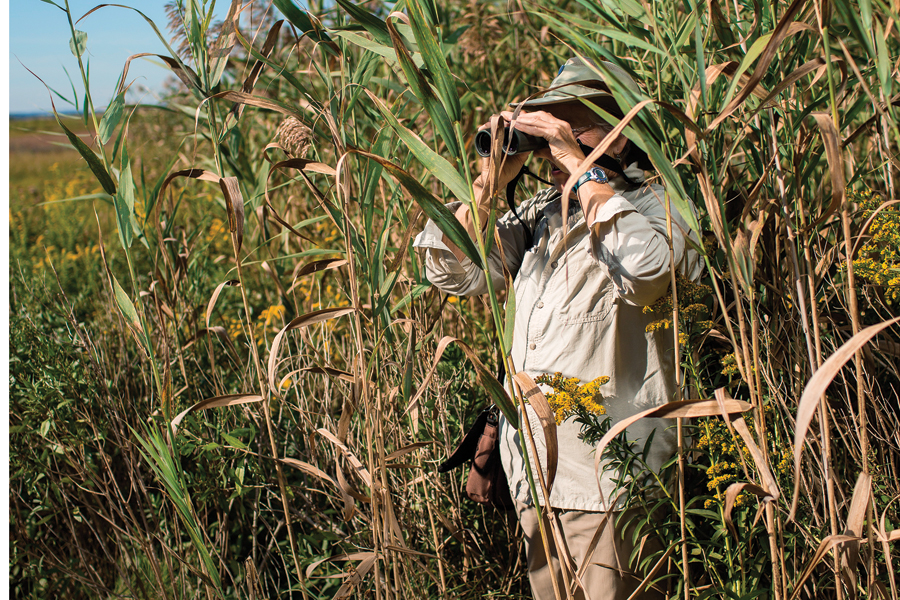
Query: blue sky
[{"x": 39, "y": 38}]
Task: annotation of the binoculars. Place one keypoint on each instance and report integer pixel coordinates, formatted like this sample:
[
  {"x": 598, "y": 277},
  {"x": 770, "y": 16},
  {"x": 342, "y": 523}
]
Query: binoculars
[{"x": 514, "y": 143}]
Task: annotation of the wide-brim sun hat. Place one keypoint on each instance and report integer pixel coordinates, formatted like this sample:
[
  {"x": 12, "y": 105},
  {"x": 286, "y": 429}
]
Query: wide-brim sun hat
[{"x": 578, "y": 79}]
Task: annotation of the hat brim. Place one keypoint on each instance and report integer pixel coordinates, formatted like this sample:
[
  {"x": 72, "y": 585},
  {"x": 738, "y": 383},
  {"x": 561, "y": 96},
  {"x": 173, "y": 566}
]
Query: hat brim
[{"x": 604, "y": 100}]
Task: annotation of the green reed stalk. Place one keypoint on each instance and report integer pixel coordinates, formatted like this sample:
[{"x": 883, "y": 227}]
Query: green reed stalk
[
  {"x": 160, "y": 386},
  {"x": 510, "y": 373}
]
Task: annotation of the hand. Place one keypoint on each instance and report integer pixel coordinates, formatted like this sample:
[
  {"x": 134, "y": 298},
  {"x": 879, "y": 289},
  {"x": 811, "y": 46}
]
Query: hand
[{"x": 563, "y": 150}]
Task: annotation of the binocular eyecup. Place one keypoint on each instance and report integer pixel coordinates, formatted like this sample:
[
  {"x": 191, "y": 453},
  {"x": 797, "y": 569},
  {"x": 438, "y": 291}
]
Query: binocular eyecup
[{"x": 515, "y": 143}]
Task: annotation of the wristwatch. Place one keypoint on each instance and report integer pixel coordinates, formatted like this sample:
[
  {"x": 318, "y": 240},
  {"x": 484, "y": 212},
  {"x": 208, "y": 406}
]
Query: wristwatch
[{"x": 593, "y": 174}]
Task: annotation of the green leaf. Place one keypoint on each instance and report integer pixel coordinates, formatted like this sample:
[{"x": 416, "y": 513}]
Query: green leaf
[
  {"x": 510, "y": 318},
  {"x": 412, "y": 295},
  {"x": 92, "y": 159},
  {"x": 78, "y": 43},
  {"x": 125, "y": 203},
  {"x": 436, "y": 164},
  {"x": 883, "y": 61},
  {"x": 111, "y": 117},
  {"x": 865, "y": 12},
  {"x": 435, "y": 60},
  {"x": 372, "y": 24},
  {"x": 300, "y": 19},
  {"x": 125, "y": 305},
  {"x": 45, "y": 427},
  {"x": 54, "y": 4},
  {"x": 629, "y": 40},
  {"x": 421, "y": 89},
  {"x": 752, "y": 54},
  {"x": 387, "y": 52},
  {"x": 234, "y": 441},
  {"x": 436, "y": 211}
]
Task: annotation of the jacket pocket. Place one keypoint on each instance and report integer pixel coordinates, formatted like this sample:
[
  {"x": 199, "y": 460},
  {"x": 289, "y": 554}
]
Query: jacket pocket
[{"x": 590, "y": 302}]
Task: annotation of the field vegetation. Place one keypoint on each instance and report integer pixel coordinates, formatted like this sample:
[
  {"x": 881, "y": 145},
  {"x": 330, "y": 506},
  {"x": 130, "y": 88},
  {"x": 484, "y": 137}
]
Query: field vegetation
[{"x": 229, "y": 376}]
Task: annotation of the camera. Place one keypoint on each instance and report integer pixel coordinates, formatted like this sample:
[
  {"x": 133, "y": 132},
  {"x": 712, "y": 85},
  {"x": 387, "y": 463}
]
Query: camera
[{"x": 517, "y": 143}]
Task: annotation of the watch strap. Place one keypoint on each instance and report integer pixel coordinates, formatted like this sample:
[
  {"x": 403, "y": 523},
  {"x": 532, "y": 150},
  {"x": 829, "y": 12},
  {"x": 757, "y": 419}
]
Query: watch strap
[{"x": 592, "y": 174}]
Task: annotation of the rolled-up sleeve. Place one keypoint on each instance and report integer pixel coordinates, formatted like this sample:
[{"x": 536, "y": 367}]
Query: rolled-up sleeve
[
  {"x": 463, "y": 277},
  {"x": 630, "y": 242}
]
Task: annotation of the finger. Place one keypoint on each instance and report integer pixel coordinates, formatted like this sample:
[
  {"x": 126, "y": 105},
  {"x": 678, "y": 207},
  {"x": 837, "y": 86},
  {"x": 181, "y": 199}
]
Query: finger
[{"x": 543, "y": 153}]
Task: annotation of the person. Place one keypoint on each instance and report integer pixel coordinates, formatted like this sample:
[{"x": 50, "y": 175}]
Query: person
[{"x": 579, "y": 309}]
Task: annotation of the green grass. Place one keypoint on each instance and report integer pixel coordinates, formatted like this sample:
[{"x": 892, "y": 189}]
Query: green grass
[{"x": 93, "y": 517}]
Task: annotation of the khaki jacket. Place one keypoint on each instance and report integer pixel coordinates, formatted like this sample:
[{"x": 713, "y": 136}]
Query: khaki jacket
[{"x": 578, "y": 311}]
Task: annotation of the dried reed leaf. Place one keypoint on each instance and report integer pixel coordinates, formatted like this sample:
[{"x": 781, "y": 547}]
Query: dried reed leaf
[
  {"x": 821, "y": 551},
  {"x": 318, "y": 265},
  {"x": 856, "y": 518},
  {"x": 355, "y": 577},
  {"x": 599, "y": 151},
  {"x": 731, "y": 494},
  {"x": 713, "y": 209},
  {"x": 187, "y": 76},
  {"x": 190, "y": 174},
  {"x": 407, "y": 449},
  {"x": 224, "y": 43},
  {"x": 351, "y": 556},
  {"x": 816, "y": 387},
  {"x": 346, "y": 495},
  {"x": 410, "y": 552},
  {"x": 682, "y": 409},
  {"x": 883, "y": 535},
  {"x": 299, "y": 323},
  {"x": 234, "y": 204},
  {"x": 769, "y": 484},
  {"x": 592, "y": 545},
  {"x": 831, "y": 139},
  {"x": 533, "y": 394},
  {"x": 260, "y": 102},
  {"x": 350, "y": 456},
  {"x": 294, "y": 163},
  {"x": 178, "y": 67},
  {"x": 250, "y": 81},
  {"x": 215, "y": 297},
  {"x": 310, "y": 470},
  {"x": 215, "y": 402}
]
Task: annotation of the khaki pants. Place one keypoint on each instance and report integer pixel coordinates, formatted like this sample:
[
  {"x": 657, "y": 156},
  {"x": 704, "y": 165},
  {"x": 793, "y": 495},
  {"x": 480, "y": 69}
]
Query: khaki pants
[{"x": 602, "y": 581}]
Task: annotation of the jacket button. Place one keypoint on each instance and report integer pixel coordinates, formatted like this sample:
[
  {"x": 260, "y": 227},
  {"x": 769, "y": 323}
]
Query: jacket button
[
  {"x": 553, "y": 264},
  {"x": 532, "y": 346},
  {"x": 540, "y": 305}
]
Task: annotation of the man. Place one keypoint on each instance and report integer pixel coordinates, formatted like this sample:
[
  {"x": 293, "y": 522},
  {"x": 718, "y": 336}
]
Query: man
[{"x": 579, "y": 309}]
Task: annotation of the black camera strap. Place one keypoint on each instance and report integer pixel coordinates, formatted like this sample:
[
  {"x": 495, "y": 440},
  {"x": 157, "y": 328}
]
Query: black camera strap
[{"x": 511, "y": 196}]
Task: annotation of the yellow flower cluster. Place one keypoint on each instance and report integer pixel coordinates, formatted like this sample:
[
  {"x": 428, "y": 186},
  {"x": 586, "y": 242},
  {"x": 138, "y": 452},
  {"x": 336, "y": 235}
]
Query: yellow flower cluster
[
  {"x": 218, "y": 237},
  {"x": 273, "y": 313},
  {"x": 729, "y": 364},
  {"x": 878, "y": 260},
  {"x": 692, "y": 313},
  {"x": 59, "y": 256},
  {"x": 726, "y": 452},
  {"x": 570, "y": 398}
]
